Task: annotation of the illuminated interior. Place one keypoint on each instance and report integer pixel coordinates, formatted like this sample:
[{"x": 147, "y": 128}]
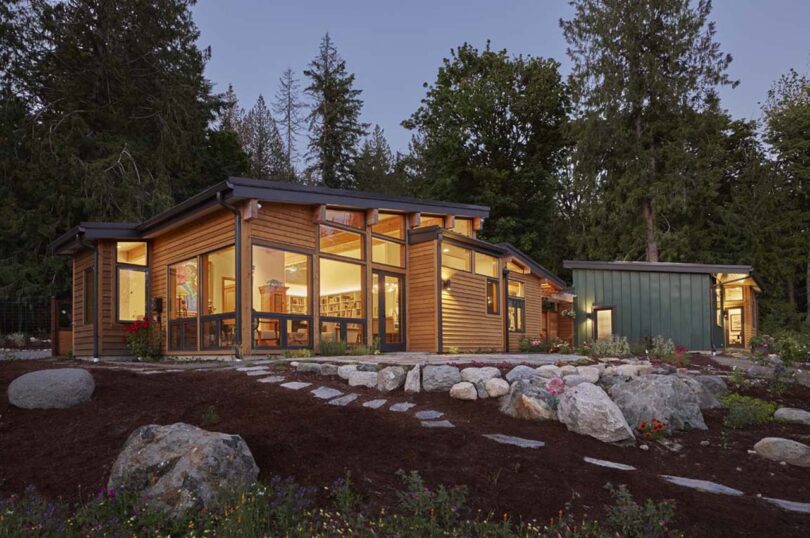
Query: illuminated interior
[
  {"x": 184, "y": 289},
  {"x": 341, "y": 242},
  {"x": 280, "y": 281},
  {"x": 387, "y": 290},
  {"x": 387, "y": 252},
  {"x": 456, "y": 257},
  {"x": 604, "y": 323},
  {"x": 341, "y": 289},
  {"x": 131, "y": 294},
  {"x": 220, "y": 281},
  {"x": 515, "y": 288},
  {"x": 131, "y": 252},
  {"x": 431, "y": 220},
  {"x": 517, "y": 268},
  {"x": 346, "y": 217},
  {"x": 390, "y": 224},
  {"x": 463, "y": 226},
  {"x": 486, "y": 265}
]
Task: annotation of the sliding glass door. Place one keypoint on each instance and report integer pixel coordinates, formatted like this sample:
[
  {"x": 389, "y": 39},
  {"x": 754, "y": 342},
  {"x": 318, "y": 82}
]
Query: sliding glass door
[{"x": 387, "y": 299}]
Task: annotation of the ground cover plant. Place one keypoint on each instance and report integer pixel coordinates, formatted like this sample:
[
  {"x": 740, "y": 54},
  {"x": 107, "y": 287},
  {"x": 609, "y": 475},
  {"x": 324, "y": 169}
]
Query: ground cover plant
[{"x": 745, "y": 411}]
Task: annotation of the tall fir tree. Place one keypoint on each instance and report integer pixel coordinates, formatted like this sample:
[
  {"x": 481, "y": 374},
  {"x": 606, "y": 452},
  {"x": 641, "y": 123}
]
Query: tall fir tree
[
  {"x": 261, "y": 140},
  {"x": 374, "y": 165},
  {"x": 644, "y": 72},
  {"x": 289, "y": 110},
  {"x": 334, "y": 119},
  {"x": 231, "y": 113},
  {"x": 492, "y": 130}
]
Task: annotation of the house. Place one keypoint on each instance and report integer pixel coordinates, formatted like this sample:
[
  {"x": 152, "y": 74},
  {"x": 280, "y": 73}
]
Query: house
[
  {"x": 699, "y": 306},
  {"x": 263, "y": 266}
]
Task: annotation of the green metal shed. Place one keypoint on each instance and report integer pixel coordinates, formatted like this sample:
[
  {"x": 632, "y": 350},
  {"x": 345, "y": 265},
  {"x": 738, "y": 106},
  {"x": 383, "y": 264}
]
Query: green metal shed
[{"x": 640, "y": 300}]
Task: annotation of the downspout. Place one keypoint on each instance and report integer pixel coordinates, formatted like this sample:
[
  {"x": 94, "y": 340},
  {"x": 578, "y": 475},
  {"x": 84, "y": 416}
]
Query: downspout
[
  {"x": 238, "y": 248},
  {"x": 80, "y": 239}
]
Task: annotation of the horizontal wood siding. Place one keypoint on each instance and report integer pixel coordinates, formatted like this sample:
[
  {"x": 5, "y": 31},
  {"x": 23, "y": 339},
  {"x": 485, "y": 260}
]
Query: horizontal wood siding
[
  {"x": 82, "y": 333},
  {"x": 112, "y": 339},
  {"x": 565, "y": 325},
  {"x": 422, "y": 313},
  {"x": 534, "y": 310},
  {"x": 208, "y": 233},
  {"x": 285, "y": 224},
  {"x": 465, "y": 322}
]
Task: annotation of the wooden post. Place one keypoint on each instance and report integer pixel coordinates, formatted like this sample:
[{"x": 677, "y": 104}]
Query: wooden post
[
  {"x": 372, "y": 217},
  {"x": 54, "y": 327},
  {"x": 246, "y": 294},
  {"x": 319, "y": 214},
  {"x": 449, "y": 221},
  {"x": 414, "y": 220}
]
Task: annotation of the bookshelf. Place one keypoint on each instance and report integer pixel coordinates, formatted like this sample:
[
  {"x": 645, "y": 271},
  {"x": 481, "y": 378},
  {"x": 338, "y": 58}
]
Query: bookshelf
[{"x": 342, "y": 305}]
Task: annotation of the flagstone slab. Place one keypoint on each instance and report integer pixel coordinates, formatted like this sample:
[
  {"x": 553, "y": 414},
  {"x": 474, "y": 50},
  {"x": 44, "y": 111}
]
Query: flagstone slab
[
  {"x": 792, "y": 506},
  {"x": 401, "y": 407},
  {"x": 258, "y": 372},
  {"x": 516, "y": 441},
  {"x": 295, "y": 385},
  {"x": 326, "y": 393},
  {"x": 609, "y": 464},
  {"x": 271, "y": 379},
  {"x": 374, "y": 404},
  {"x": 250, "y": 368},
  {"x": 429, "y": 414},
  {"x": 437, "y": 424},
  {"x": 702, "y": 485},
  {"x": 344, "y": 400}
]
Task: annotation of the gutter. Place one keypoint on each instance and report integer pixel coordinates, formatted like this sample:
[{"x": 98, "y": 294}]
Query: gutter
[
  {"x": 238, "y": 248},
  {"x": 82, "y": 241}
]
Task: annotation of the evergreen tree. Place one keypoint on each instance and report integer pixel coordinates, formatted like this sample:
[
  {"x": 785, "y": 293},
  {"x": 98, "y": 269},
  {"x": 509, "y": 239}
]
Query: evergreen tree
[
  {"x": 644, "y": 74},
  {"x": 231, "y": 113},
  {"x": 261, "y": 140},
  {"x": 288, "y": 109},
  {"x": 491, "y": 130},
  {"x": 374, "y": 166},
  {"x": 334, "y": 119}
]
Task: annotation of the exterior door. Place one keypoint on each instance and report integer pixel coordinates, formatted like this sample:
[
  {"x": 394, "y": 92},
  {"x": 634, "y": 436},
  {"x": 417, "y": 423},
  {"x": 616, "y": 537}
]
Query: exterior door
[
  {"x": 734, "y": 327},
  {"x": 388, "y": 311}
]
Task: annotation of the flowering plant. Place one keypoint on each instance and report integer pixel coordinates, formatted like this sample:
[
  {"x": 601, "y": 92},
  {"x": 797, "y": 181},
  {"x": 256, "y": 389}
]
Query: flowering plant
[
  {"x": 555, "y": 386},
  {"x": 143, "y": 340},
  {"x": 653, "y": 430}
]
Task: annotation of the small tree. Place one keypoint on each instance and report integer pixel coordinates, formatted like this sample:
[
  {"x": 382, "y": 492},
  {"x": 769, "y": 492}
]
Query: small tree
[{"x": 288, "y": 109}]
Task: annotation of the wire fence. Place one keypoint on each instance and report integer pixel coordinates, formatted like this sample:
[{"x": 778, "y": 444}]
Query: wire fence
[{"x": 28, "y": 323}]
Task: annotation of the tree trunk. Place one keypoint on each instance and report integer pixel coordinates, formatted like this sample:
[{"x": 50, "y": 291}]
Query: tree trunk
[
  {"x": 649, "y": 231},
  {"x": 791, "y": 292},
  {"x": 807, "y": 289}
]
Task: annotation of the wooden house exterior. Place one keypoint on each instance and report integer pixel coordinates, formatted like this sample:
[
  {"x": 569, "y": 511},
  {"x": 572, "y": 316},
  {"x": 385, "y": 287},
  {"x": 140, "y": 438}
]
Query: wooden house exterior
[{"x": 257, "y": 267}]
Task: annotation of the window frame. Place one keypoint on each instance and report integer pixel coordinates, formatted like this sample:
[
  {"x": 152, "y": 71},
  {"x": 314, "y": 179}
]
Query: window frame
[
  {"x": 477, "y": 253},
  {"x": 89, "y": 296},
  {"x": 402, "y": 251},
  {"x": 330, "y": 222},
  {"x": 363, "y": 254},
  {"x": 283, "y": 317},
  {"x": 127, "y": 267},
  {"x": 594, "y": 311},
  {"x": 470, "y": 256},
  {"x": 180, "y": 323},
  {"x": 202, "y": 272},
  {"x": 520, "y": 305},
  {"x": 494, "y": 308},
  {"x": 403, "y": 227},
  {"x": 364, "y": 287}
]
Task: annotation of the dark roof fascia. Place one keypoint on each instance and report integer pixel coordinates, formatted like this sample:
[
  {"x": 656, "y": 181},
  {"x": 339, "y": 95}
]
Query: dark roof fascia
[
  {"x": 282, "y": 191},
  {"x": 533, "y": 265},
  {"x": 201, "y": 200},
  {"x": 423, "y": 235},
  {"x": 659, "y": 267},
  {"x": 69, "y": 242}
]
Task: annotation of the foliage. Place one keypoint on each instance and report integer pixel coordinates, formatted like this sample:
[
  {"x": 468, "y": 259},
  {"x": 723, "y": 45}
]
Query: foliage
[
  {"x": 364, "y": 349},
  {"x": 289, "y": 110},
  {"x": 791, "y": 349},
  {"x": 16, "y": 340},
  {"x": 144, "y": 340},
  {"x": 662, "y": 348},
  {"x": 633, "y": 520},
  {"x": 332, "y": 347},
  {"x": 745, "y": 411},
  {"x": 616, "y": 346},
  {"x": 762, "y": 345},
  {"x": 210, "y": 417},
  {"x": 433, "y": 509},
  {"x": 544, "y": 345},
  {"x": 737, "y": 379},
  {"x": 654, "y": 430},
  {"x": 262, "y": 142},
  {"x": 334, "y": 120},
  {"x": 298, "y": 353}
]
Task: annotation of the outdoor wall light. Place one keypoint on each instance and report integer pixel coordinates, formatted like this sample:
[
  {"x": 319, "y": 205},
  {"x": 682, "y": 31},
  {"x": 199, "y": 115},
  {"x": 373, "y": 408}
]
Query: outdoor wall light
[{"x": 446, "y": 284}]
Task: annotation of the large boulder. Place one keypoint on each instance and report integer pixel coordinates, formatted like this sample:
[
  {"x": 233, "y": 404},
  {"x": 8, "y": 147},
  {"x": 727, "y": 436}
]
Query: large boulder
[
  {"x": 549, "y": 370},
  {"x": 587, "y": 409},
  {"x": 791, "y": 414},
  {"x": 180, "y": 467},
  {"x": 713, "y": 384},
  {"x": 574, "y": 380},
  {"x": 413, "y": 380},
  {"x": 787, "y": 450},
  {"x": 51, "y": 389},
  {"x": 464, "y": 391},
  {"x": 390, "y": 378},
  {"x": 528, "y": 399},
  {"x": 496, "y": 387},
  {"x": 359, "y": 378},
  {"x": 591, "y": 373},
  {"x": 344, "y": 371},
  {"x": 665, "y": 397},
  {"x": 439, "y": 378},
  {"x": 706, "y": 399},
  {"x": 520, "y": 372},
  {"x": 475, "y": 375}
]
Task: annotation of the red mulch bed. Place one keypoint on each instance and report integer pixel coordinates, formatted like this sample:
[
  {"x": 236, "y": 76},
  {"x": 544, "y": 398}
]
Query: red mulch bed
[{"x": 68, "y": 453}]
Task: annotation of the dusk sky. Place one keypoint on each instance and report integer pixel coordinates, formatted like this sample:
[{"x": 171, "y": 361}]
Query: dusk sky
[{"x": 395, "y": 46}]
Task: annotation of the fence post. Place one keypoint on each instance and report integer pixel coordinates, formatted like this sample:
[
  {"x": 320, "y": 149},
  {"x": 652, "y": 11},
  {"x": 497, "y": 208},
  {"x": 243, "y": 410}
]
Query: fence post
[{"x": 54, "y": 327}]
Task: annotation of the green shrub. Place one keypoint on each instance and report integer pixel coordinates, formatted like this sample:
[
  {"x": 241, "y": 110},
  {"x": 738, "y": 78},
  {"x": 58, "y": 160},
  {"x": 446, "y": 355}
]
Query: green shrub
[
  {"x": 744, "y": 411},
  {"x": 629, "y": 519},
  {"x": 210, "y": 416},
  {"x": 329, "y": 347},
  {"x": 143, "y": 340},
  {"x": 662, "y": 348},
  {"x": 363, "y": 349},
  {"x": 791, "y": 349},
  {"x": 617, "y": 346},
  {"x": 298, "y": 353}
]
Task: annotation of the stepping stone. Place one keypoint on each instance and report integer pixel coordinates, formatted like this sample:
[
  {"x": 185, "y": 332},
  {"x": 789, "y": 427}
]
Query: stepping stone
[
  {"x": 702, "y": 485},
  {"x": 271, "y": 379},
  {"x": 150, "y": 372},
  {"x": 250, "y": 368},
  {"x": 517, "y": 441},
  {"x": 437, "y": 424},
  {"x": 326, "y": 393},
  {"x": 609, "y": 464},
  {"x": 429, "y": 414},
  {"x": 344, "y": 400},
  {"x": 792, "y": 506},
  {"x": 401, "y": 407},
  {"x": 374, "y": 404},
  {"x": 295, "y": 385},
  {"x": 258, "y": 372}
]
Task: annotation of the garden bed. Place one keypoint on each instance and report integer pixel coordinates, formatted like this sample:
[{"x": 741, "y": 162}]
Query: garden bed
[{"x": 68, "y": 453}]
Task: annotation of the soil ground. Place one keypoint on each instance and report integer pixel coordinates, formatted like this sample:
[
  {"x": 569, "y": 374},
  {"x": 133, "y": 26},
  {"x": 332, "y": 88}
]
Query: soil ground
[{"x": 68, "y": 453}]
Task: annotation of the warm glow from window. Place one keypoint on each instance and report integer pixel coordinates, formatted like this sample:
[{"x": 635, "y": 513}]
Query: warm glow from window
[
  {"x": 456, "y": 257},
  {"x": 734, "y": 293},
  {"x": 355, "y": 219},
  {"x": 131, "y": 294},
  {"x": 280, "y": 281},
  {"x": 463, "y": 226},
  {"x": 341, "y": 243},
  {"x": 493, "y": 301},
  {"x": 486, "y": 265},
  {"x": 184, "y": 290},
  {"x": 387, "y": 252},
  {"x": 431, "y": 220},
  {"x": 133, "y": 253},
  {"x": 515, "y": 289},
  {"x": 341, "y": 289},
  {"x": 220, "y": 281},
  {"x": 604, "y": 323},
  {"x": 517, "y": 268},
  {"x": 390, "y": 224}
]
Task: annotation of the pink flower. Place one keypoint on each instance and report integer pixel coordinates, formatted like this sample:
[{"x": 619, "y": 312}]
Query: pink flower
[{"x": 555, "y": 386}]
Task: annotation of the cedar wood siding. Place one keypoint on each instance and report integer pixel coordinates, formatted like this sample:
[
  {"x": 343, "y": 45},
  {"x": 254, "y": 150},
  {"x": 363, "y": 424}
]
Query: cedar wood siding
[
  {"x": 565, "y": 325},
  {"x": 465, "y": 322},
  {"x": 82, "y": 333},
  {"x": 286, "y": 225},
  {"x": 111, "y": 335},
  {"x": 205, "y": 234},
  {"x": 534, "y": 309},
  {"x": 422, "y": 288}
]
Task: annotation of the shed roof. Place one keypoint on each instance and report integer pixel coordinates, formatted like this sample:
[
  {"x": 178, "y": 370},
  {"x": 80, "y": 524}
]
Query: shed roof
[
  {"x": 533, "y": 265},
  {"x": 665, "y": 267}
]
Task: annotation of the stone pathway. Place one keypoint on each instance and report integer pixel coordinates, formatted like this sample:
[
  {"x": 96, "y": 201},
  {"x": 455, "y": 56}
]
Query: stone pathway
[
  {"x": 344, "y": 400},
  {"x": 258, "y": 372},
  {"x": 271, "y": 379},
  {"x": 374, "y": 404},
  {"x": 516, "y": 441},
  {"x": 702, "y": 485},
  {"x": 437, "y": 424},
  {"x": 792, "y": 506},
  {"x": 401, "y": 407},
  {"x": 295, "y": 385},
  {"x": 250, "y": 368},
  {"x": 428, "y": 414},
  {"x": 609, "y": 464},
  {"x": 326, "y": 393}
]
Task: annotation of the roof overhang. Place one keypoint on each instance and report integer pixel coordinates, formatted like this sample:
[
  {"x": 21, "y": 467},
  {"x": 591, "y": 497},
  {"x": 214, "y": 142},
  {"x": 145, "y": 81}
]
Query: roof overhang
[
  {"x": 78, "y": 237},
  {"x": 533, "y": 265}
]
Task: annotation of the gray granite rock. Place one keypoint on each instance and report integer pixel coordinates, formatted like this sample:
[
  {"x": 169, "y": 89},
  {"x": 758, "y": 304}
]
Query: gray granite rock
[
  {"x": 702, "y": 485},
  {"x": 344, "y": 400},
  {"x": 413, "y": 380},
  {"x": 515, "y": 441},
  {"x": 549, "y": 370},
  {"x": 437, "y": 424},
  {"x": 609, "y": 464},
  {"x": 295, "y": 385},
  {"x": 793, "y": 415},
  {"x": 439, "y": 378},
  {"x": 590, "y": 373},
  {"x": 667, "y": 398},
  {"x": 367, "y": 367},
  {"x": 496, "y": 387},
  {"x": 574, "y": 380},
  {"x": 361, "y": 378},
  {"x": 374, "y": 404},
  {"x": 428, "y": 414},
  {"x": 390, "y": 378},
  {"x": 520, "y": 372},
  {"x": 474, "y": 375},
  {"x": 787, "y": 450},
  {"x": 308, "y": 367},
  {"x": 328, "y": 369},
  {"x": 57, "y": 388},
  {"x": 528, "y": 399},
  {"x": 713, "y": 384},
  {"x": 344, "y": 371},
  {"x": 271, "y": 379},
  {"x": 326, "y": 393},
  {"x": 401, "y": 407},
  {"x": 464, "y": 391},
  {"x": 587, "y": 409},
  {"x": 706, "y": 399}
]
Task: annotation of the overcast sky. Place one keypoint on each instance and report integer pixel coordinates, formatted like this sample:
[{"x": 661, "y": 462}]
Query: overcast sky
[{"x": 393, "y": 46}]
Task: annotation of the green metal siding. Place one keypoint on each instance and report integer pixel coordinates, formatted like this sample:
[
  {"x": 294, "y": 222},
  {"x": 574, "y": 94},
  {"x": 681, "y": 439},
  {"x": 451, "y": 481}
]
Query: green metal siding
[{"x": 645, "y": 304}]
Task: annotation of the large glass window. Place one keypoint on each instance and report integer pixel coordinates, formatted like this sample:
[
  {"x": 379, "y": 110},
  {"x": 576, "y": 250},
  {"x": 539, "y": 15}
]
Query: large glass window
[
  {"x": 281, "y": 298},
  {"x": 517, "y": 315},
  {"x": 517, "y": 268},
  {"x": 131, "y": 293},
  {"x": 486, "y": 265},
  {"x": 493, "y": 299},
  {"x": 734, "y": 293},
  {"x": 603, "y": 323},
  {"x": 219, "y": 294},
  {"x": 456, "y": 257},
  {"x": 341, "y": 242},
  {"x": 516, "y": 289},
  {"x": 387, "y": 252},
  {"x": 341, "y": 289},
  {"x": 346, "y": 217},
  {"x": 184, "y": 305},
  {"x": 390, "y": 224},
  {"x": 431, "y": 220},
  {"x": 463, "y": 226},
  {"x": 131, "y": 252}
]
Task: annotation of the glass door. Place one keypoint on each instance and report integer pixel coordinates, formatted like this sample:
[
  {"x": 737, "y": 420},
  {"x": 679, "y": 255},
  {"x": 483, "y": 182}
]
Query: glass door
[
  {"x": 734, "y": 327},
  {"x": 388, "y": 313}
]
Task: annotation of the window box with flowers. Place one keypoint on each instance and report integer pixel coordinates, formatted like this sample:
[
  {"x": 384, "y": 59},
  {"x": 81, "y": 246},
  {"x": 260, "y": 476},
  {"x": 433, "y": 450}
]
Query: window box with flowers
[{"x": 144, "y": 340}]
